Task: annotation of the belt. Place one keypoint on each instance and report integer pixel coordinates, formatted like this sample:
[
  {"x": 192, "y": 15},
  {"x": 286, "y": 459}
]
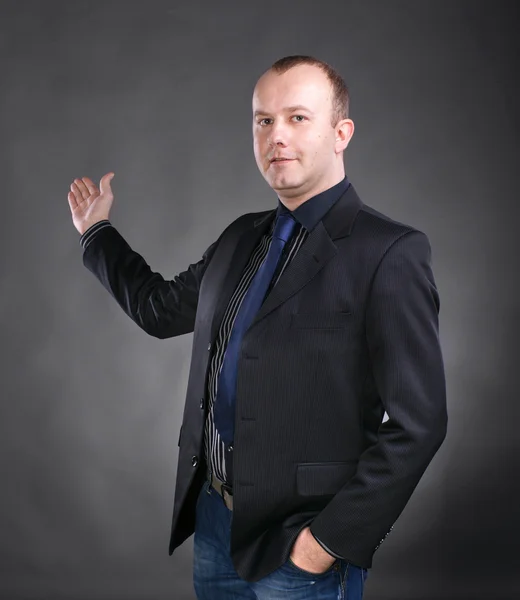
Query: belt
[{"x": 224, "y": 490}]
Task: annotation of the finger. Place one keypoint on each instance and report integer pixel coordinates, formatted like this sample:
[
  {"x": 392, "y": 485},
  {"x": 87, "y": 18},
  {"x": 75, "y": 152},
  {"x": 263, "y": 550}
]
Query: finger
[
  {"x": 82, "y": 188},
  {"x": 77, "y": 193},
  {"x": 74, "y": 190},
  {"x": 104, "y": 184},
  {"x": 72, "y": 201},
  {"x": 91, "y": 186}
]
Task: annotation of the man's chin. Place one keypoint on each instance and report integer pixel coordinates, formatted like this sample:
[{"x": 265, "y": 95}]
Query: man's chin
[{"x": 284, "y": 186}]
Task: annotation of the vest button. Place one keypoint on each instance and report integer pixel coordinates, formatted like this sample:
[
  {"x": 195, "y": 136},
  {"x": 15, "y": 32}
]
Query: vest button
[{"x": 201, "y": 403}]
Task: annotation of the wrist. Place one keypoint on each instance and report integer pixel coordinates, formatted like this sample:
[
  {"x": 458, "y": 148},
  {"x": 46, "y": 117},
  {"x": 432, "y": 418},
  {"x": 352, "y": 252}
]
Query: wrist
[
  {"x": 86, "y": 226},
  {"x": 319, "y": 550}
]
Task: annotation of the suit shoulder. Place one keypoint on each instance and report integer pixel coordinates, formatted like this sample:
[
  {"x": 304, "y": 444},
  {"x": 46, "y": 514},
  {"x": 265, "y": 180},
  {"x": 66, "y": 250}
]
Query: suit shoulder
[{"x": 381, "y": 225}]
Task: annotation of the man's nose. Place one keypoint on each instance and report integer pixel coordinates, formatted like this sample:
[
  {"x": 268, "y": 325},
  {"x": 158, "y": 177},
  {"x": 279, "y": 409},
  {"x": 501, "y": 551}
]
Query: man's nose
[{"x": 278, "y": 135}]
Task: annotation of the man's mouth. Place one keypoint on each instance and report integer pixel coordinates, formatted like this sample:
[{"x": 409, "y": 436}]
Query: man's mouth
[{"x": 280, "y": 160}]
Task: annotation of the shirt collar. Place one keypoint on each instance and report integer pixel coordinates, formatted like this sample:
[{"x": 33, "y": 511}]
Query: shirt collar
[{"x": 312, "y": 211}]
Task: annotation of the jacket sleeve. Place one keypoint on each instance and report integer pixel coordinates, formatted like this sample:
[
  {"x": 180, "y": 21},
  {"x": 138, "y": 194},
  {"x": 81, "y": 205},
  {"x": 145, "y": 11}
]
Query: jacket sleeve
[
  {"x": 161, "y": 308},
  {"x": 407, "y": 368},
  {"x": 326, "y": 548}
]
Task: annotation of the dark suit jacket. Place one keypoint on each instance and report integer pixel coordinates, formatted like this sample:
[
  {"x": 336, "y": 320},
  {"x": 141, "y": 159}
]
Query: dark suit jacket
[{"x": 349, "y": 331}]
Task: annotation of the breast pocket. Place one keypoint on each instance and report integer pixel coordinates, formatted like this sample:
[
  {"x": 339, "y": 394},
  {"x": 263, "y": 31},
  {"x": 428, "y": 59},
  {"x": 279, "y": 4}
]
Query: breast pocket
[
  {"x": 323, "y": 478},
  {"x": 321, "y": 320}
]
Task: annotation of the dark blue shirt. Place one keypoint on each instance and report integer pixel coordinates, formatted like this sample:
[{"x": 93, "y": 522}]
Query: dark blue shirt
[
  {"x": 312, "y": 211},
  {"x": 307, "y": 216}
]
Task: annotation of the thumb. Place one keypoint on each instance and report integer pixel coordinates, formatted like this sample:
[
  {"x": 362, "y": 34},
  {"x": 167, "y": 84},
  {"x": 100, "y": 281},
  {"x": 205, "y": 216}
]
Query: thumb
[{"x": 104, "y": 184}]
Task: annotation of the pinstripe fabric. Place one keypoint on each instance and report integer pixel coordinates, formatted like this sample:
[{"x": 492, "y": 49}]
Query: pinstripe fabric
[
  {"x": 308, "y": 215},
  {"x": 213, "y": 446}
]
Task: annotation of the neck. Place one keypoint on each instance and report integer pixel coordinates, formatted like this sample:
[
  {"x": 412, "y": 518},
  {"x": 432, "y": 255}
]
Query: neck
[{"x": 291, "y": 202}]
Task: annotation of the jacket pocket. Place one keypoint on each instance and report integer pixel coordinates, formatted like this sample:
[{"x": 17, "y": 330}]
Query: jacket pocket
[
  {"x": 321, "y": 320},
  {"x": 323, "y": 478}
]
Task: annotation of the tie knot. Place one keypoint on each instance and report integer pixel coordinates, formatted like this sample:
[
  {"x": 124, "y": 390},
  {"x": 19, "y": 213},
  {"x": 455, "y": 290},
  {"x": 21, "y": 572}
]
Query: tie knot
[{"x": 284, "y": 227}]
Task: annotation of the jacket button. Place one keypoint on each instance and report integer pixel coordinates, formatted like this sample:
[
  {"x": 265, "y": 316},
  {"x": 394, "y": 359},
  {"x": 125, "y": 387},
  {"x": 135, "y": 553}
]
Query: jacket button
[
  {"x": 209, "y": 346},
  {"x": 194, "y": 461},
  {"x": 201, "y": 403}
]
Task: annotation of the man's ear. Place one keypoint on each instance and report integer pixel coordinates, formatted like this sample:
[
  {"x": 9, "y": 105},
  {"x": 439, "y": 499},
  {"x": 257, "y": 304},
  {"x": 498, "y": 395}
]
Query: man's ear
[{"x": 344, "y": 132}]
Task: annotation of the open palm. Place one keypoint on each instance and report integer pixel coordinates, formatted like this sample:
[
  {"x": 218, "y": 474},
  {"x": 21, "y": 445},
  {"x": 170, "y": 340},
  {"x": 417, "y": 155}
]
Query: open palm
[{"x": 88, "y": 203}]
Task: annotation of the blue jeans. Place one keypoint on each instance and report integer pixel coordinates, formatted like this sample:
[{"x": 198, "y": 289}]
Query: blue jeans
[{"x": 215, "y": 577}]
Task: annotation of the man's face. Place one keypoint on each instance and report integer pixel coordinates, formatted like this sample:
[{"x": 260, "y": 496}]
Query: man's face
[{"x": 292, "y": 120}]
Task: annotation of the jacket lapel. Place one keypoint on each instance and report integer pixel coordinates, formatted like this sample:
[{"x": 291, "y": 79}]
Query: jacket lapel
[
  {"x": 248, "y": 238},
  {"x": 317, "y": 250},
  {"x": 313, "y": 255}
]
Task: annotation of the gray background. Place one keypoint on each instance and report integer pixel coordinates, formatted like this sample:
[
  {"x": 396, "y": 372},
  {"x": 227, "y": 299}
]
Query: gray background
[{"x": 159, "y": 92}]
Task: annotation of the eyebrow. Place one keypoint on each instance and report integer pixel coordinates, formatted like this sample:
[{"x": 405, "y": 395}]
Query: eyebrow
[{"x": 286, "y": 109}]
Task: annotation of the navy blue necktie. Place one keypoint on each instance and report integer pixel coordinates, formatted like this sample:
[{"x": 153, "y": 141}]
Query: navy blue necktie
[{"x": 224, "y": 409}]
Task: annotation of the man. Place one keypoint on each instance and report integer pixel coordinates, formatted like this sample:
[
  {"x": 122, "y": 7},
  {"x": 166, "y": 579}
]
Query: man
[{"x": 316, "y": 396}]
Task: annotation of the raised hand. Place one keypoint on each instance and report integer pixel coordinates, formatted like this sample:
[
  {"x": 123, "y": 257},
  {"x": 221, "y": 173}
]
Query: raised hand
[{"x": 87, "y": 203}]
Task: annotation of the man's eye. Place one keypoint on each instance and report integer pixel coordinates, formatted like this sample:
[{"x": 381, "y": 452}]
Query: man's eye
[
  {"x": 262, "y": 121},
  {"x": 299, "y": 117}
]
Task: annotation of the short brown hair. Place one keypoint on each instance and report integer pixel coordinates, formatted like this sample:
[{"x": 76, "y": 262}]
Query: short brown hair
[{"x": 340, "y": 97}]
